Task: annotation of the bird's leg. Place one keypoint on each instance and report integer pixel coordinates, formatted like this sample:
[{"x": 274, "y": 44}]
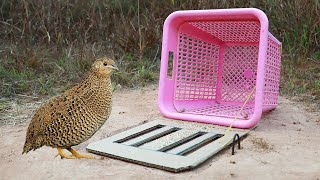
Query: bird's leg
[
  {"x": 78, "y": 155},
  {"x": 63, "y": 155}
]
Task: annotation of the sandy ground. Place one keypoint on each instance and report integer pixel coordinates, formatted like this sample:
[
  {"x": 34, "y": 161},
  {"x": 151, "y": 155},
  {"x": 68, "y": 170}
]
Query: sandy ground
[{"x": 285, "y": 145}]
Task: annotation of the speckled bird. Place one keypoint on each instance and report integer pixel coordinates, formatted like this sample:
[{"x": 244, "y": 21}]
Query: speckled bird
[{"x": 74, "y": 116}]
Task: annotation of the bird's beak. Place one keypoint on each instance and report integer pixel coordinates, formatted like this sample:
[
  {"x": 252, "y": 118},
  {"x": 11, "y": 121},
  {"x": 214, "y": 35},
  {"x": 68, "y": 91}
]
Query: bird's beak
[{"x": 114, "y": 66}]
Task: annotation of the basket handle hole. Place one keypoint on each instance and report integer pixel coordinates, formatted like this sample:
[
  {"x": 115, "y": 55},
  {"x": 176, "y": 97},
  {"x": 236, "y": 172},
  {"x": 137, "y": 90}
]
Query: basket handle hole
[{"x": 170, "y": 65}]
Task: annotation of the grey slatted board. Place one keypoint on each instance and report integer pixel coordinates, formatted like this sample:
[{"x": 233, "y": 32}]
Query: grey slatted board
[{"x": 166, "y": 144}]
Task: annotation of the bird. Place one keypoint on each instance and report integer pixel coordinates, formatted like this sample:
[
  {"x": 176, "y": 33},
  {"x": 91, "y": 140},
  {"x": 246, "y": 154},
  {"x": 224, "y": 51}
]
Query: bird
[{"x": 74, "y": 116}]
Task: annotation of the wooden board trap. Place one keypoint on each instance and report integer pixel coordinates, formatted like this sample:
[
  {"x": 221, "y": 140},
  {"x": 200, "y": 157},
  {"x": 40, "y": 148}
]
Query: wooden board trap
[{"x": 168, "y": 145}]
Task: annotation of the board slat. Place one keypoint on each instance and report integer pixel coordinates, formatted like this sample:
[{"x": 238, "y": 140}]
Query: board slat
[
  {"x": 180, "y": 149},
  {"x": 150, "y": 136}
]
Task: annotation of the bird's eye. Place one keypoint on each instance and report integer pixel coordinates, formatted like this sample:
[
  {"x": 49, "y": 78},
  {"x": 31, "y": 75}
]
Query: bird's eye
[{"x": 105, "y": 64}]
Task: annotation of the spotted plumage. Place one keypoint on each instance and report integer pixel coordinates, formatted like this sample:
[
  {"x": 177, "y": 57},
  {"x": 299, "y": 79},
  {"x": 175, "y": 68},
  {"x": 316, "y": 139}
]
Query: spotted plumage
[{"x": 76, "y": 115}]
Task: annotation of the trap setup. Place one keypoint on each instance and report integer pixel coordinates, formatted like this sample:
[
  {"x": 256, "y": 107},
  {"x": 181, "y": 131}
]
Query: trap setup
[
  {"x": 171, "y": 146},
  {"x": 219, "y": 67}
]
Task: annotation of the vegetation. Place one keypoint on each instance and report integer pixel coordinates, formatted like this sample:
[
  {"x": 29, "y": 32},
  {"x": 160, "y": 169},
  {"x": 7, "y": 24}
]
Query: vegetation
[{"x": 47, "y": 45}]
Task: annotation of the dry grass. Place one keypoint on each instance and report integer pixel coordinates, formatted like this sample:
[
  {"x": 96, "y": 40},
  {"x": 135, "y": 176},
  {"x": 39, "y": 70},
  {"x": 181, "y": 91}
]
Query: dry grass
[
  {"x": 47, "y": 44},
  {"x": 261, "y": 144},
  {"x": 17, "y": 110}
]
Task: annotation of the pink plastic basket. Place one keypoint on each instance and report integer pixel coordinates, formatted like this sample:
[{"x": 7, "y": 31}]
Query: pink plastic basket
[{"x": 219, "y": 57}]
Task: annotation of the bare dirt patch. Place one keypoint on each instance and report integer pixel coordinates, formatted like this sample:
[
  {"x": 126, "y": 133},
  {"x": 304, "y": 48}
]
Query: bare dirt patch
[{"x": 285, "y": 145}]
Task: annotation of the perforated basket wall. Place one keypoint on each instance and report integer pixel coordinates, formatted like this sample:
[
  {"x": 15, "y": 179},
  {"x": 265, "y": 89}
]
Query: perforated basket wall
[{"x": 219, "y": 58}]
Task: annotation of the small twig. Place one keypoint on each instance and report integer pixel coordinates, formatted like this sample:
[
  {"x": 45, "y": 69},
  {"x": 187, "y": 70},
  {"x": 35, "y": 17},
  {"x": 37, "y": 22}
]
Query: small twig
[
  {"x": 15, "y": 27},
  {"x": 69, "y": 51},
  {"x": 85, "y": 34},
  {"x": 313, "y": 60},
  {"x": 93, "y": 49},
  {"x": 59, "y": 68},
  {"x": 140, "y": 40},
  {"x": 23, "y": 95},
  {"x": 132, "y": 26},
  {"x": 49, "y": 38},
  {"x": 155, "y": 57}
]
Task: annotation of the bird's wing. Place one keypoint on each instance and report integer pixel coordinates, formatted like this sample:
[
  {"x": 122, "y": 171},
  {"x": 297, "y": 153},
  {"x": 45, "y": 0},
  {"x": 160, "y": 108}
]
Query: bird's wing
[
  {"x": 58, "y": 107},
  {"x": 57, "y": 110}
]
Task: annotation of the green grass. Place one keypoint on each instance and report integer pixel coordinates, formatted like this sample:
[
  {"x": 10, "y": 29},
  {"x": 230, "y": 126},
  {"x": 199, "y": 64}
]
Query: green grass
[
  {"x": 48, "y": 46},
  {"x": 133, "y": 73}
]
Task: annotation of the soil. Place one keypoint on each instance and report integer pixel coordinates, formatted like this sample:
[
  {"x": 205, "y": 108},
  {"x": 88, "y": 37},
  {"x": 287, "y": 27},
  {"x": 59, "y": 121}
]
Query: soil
[{"x": 285, "y": 145}]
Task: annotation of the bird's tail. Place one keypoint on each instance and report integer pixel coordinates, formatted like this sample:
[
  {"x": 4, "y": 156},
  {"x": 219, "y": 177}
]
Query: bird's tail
[
  {"x": 27, "y": 147},
  {"x": 32, "y": 145}
]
